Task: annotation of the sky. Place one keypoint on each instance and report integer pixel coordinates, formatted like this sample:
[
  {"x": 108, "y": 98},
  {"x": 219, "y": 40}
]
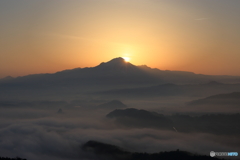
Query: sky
[{"x": 42, "y": 36}]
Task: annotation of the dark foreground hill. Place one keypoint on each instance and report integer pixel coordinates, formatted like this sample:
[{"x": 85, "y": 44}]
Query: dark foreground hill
[{"x": 105, "y": 151}]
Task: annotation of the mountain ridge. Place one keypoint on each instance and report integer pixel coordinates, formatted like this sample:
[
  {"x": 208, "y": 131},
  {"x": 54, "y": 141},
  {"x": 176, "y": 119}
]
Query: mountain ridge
[
  {"x": 119, "y": 65},
  {"x": 219, "y": 99},
  {"x": 114, "y": 74}
]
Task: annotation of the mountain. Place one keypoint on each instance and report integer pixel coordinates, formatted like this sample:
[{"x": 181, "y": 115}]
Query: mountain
[
  {"x": 115, "y": 104},
  {"x": 114, "y": 74},
  {"x": 105, "y": 151},
  {"x": 132, "y": 117},
  {"x": 6, "y": 79},
  {"x": 228, "y": 99}
]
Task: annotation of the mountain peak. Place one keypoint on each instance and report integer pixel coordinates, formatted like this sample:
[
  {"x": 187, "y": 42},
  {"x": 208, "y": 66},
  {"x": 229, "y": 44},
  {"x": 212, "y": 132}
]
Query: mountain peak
[
  {"x": 116, "y": 62},
  {"x": 6, "y": 78},
  {"x": 213, "y": 83},
  {"x": 112, "y": 104},
  {"x": 118, "y": 59}
]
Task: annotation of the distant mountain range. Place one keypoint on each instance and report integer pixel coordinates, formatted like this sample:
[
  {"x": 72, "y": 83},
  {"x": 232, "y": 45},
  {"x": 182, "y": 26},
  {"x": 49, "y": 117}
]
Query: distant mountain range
[
  {"x": 219, "y": 99},
  {"x": 115, "y": 104},
  {"x": 228, "y": 103},
  {"x": 170, "y": 89},
  {"x": 114, "y": 74}
]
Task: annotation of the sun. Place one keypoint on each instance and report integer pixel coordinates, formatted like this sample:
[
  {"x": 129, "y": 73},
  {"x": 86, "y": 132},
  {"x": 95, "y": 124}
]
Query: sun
[{"x": 127, "y": 59}]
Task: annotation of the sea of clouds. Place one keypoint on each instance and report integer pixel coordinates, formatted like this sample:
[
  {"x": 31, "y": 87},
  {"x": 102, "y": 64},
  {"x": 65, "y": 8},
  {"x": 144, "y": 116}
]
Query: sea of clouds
[{"x": 38, "y": 134}]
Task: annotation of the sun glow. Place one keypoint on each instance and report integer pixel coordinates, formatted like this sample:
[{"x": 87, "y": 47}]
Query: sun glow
[{"x": 127, "y": 59}]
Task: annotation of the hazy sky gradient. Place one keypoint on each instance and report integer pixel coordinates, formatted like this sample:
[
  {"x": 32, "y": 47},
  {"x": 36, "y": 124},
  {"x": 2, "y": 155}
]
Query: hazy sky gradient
[{"x": 42, "y": 36}]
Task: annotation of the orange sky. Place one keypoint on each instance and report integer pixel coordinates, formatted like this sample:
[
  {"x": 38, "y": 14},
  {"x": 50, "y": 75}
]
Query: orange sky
[{"x": 49, "y": 36}]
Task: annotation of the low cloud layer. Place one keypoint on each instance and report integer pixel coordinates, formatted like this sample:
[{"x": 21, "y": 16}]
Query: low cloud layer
[{"x": 59, "y": 136}]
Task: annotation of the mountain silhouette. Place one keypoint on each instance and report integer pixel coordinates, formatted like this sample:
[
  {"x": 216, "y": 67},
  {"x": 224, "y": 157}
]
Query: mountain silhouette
[
  {"x": 115, "y": 104},
  {"x": 114, "y": 74},
  {"x": 120, "y": 62},
  {"x": 170, "y": 89},
  {"x": 219, "y": 99},
  {"x": 213, "y": 83},
  {"x": 120, "y": 66},
  {"x": 6, "y": 79}
]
